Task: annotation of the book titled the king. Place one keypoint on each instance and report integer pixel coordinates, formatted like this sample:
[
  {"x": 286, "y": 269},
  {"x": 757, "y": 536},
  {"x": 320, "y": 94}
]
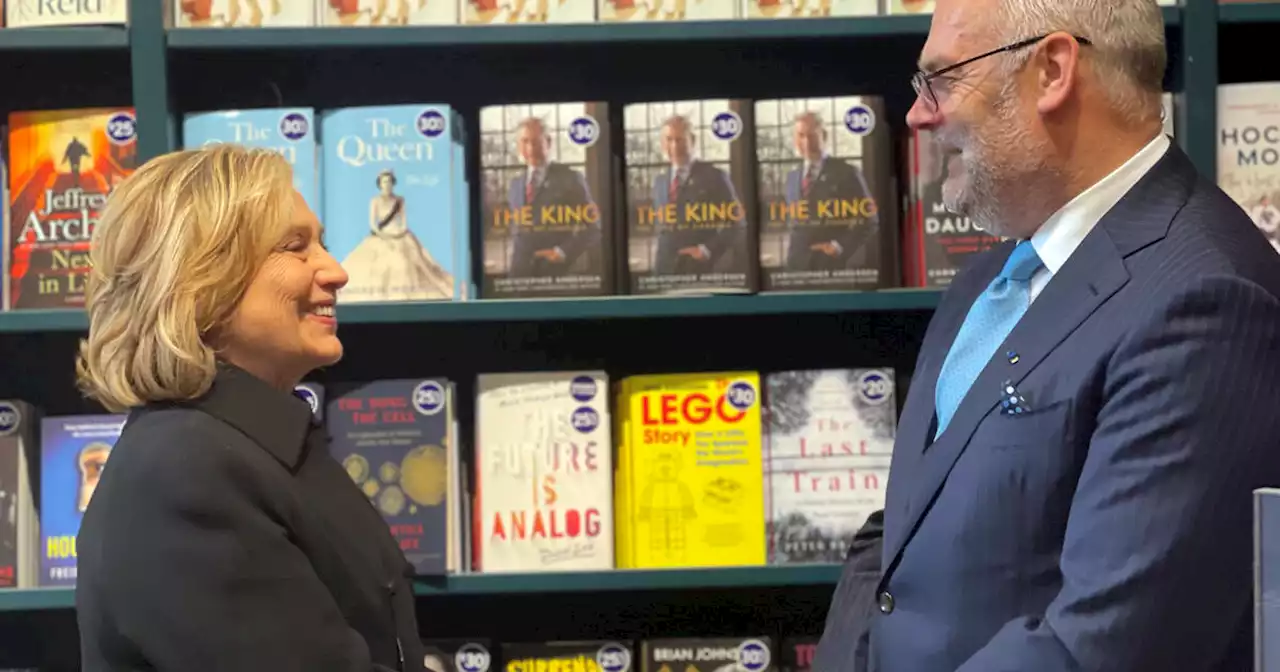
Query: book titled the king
[{"x": 62, "y": 167}]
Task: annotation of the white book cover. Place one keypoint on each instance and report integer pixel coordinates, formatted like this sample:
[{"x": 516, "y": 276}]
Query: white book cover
[
  {"x": 244, "y": 13},
  {"x": 909, "y": 7},
  {"x": 42, "y": 13},
  {"x": 388, "y": 12},
  {"x": 544, "y": 473},
  {"x": 828, "y": 446},
  {"x": 1249, "y": 151},
  {"x": 483, "y": 12},
  {"x": 797, "y": 9},
  {"x": 670, "y": 10}
]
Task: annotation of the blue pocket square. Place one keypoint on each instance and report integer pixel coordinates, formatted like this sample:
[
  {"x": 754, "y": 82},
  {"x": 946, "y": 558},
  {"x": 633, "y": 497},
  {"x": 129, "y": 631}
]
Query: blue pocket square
[{"x": 1012, "y": 402}]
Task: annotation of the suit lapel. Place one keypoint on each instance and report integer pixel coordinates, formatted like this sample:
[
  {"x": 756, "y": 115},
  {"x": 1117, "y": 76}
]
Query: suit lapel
[{"x": 1092, "y": 274}]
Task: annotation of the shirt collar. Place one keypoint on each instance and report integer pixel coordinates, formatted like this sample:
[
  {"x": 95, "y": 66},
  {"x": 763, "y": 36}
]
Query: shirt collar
[
  {"x": 1062, "y": 233},
  {"x": 276, "y": 420}
]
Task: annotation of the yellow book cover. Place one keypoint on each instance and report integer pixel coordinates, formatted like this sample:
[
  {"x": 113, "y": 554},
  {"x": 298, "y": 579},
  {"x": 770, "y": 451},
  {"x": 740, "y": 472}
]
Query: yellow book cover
[{"x": 696, "y": 480}]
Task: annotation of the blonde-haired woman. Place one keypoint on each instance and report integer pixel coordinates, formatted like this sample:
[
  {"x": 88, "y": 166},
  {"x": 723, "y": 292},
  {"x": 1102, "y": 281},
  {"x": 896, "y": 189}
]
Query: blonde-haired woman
[{"x": 222, "y": 536}]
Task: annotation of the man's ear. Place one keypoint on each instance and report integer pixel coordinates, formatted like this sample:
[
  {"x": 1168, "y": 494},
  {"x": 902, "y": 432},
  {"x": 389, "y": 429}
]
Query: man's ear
[{"x": 1056, "y": 63}]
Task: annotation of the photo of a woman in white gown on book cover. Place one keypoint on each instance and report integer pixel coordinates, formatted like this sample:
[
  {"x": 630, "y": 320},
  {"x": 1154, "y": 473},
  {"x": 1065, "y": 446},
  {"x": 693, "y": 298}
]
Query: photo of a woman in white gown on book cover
[{"x": 391, "y": 264}]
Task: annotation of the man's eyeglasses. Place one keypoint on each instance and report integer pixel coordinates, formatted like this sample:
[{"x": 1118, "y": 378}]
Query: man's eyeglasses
[{"x": 920, "y": 81}]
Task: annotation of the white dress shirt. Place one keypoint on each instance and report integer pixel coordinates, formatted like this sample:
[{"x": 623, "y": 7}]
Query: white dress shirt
[{"x": 1062, "y": 233}]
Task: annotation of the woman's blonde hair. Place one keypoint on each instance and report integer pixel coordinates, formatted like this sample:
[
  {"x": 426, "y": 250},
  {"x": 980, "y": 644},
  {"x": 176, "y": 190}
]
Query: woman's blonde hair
[{"x": 177, "y": 245}]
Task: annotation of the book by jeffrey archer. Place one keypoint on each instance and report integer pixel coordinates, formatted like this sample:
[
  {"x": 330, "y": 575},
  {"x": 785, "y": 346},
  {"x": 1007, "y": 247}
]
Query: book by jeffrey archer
[
  {"x": 73, "y": 452},
  {"x": 690, "y": 187},
  {"x": 62, "y": 166},
  {"x": 826, "y": 194},
  {"x": 567, "y": 656},
  {"x": 547, "y": 215}
]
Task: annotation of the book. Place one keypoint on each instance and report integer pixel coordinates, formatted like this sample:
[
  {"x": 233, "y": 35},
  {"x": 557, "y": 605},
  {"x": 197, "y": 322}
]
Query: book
[
  {"x": 43, "y": 13},
  {"x": 828, "y": 448},
  {"x": 826, "y": 192},
  {"x": 395, "y": 438},
  {"x": 544, "y": 473},
  {"x": 567, "y": 656},
  {"x": 390, "y": 202},
  {"x": 689, "y": 200},
  {"x": 388, "y": 12},
  {"x": 19, "y": 474},
  {"x": 487, "y": 12},
  {"x": 547, "y": 215},
  {"x": 458, "y": 655},
  {"x": 795, "y": 9},
  {"x": 708, "y": 654},
  {"x": 667, "y": 10},
  {"x": 288, "y": 131},
  {"x": 1249, "y": 152},
  {"x": 63, "y": 165},
  {"x": 689, "y": 488},
  {"x": 74, "y": 450},
  {"x": 243, "y": 13}
]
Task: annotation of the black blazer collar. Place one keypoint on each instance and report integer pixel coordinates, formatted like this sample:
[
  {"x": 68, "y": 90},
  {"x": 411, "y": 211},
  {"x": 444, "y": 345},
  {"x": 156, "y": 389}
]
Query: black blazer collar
[{"x": 276, "y": 420}]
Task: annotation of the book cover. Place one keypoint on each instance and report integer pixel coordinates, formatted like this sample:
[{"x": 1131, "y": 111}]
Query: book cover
[
  {"x": 592, "y": 656},
  {"x": 458, "y": 655},
  {"x": 708, "y": 654},
  {"x": 547, "y": 219},
  {"x": 1249, "y": 151},
  {"x": 43, "y": 13},
  {"x": 287, "y": 131},
  {"x": 797, "y": 653},
  {"x": 477, "y": 12},
  {"x": 689, "y": 181},
  {"x": 388, "y": 12},
  {"x": 909, "y": 6},
  {"x": 243, "y": 13},
  {"x": 796, "y": 9},
  {"x": 544, "y": 472},
  {"x": 19, "y": 474},
  {"x": 826, "y": 192},
  {"x": 389, "y": 201},
  {"x": 668, "y": 10},
  {"x": 937, "y": 243},
  {"x": 73, "y": 452},
  {"x": 394, "y": 439},
  {"x": 63, "y": 165},
  {"x": 691, "y": 479}
]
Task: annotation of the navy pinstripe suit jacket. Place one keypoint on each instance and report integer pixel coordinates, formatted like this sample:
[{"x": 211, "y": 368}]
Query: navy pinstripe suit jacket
[{"x": 1107, "y": 529}]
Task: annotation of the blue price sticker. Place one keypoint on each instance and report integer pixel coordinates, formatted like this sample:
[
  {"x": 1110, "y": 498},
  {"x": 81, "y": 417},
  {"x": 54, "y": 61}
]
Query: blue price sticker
[
  {"x": 727, "y": 126},
  {"x": 472, "y": 658},
  {"x": 585, "y": 419},
  {"x": 428, "y": 397},
  {"x": 10, "y": 418},
  {"x": 431, "y": 123},
  {"x": 753, "y": 655},
  {"x": 741, "y": 395},
  {"x": 860, "y": 120},
  {"x": 583, "y": 388},
  {"x": 294, "y": 126},
  {"x": 584, "y": 131},
  {"x": 122, "y": 128},
  {"x": 875, "y": 387},
  {"x": 613, "y": 657}
]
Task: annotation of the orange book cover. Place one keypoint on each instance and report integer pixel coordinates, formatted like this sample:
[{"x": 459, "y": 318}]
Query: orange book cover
[{"x": 63, "y": 164}]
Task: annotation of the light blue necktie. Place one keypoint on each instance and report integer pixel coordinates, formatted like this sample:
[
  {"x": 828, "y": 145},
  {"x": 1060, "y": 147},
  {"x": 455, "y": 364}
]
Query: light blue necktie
[{"x": 988, "y": 323}]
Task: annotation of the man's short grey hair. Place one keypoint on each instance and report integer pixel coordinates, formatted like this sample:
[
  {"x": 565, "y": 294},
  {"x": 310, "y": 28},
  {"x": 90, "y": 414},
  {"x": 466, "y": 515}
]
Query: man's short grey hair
[{"x": 1128, "y": 49}]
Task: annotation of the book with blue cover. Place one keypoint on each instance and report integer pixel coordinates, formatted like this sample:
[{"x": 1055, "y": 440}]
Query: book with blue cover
[
  {"x": 392, "y": 211},
  {"x": 289, "y": 131},
  {"x": 73, "y": 453}
]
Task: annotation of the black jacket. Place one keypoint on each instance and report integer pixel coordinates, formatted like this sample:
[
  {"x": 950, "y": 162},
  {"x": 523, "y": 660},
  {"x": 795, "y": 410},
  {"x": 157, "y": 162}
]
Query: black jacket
[{"x": 223, "y": 536}]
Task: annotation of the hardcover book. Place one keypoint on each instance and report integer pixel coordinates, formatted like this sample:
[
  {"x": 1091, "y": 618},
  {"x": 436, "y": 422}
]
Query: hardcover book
[
  {"x": 544, "y": 473},
  {"x": 1249, "y": 154},
  {"x": 395, "y": 439},
  {"x": 391, "y": 202},
  {"x": 829, "y": 444},
  {"x": 458, "y": 655},
  {"x": 690, "y": 484},
  {"x": 43, "y": 13},
  {"x": 547, "y": 217},
  {"x": 63, "y": 165},
  {"x": 602, "y": 656},
  {"x": 795, "y": 9},
  {"x": 690, "y": 203},
  {"x": 708, "y": 654},
  {"x": 388, "y": 12},
  {"x": 826, "y": 192},
  {"x": 243, "y": 13},
  {"x": 797, "y": 654},
  {"x": 528, "y": 11},
  {"x": 73, "y": 452},
  {"x": 667, "y": 10},
  {"x": 937, "y": 243},
  {"x": 19, "y": 473},
  {"x": 288, "y": 131}
]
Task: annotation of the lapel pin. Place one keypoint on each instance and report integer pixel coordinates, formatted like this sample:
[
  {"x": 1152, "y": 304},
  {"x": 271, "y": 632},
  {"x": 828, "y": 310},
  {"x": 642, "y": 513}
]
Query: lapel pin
[{"x": 1013, "y": 357}]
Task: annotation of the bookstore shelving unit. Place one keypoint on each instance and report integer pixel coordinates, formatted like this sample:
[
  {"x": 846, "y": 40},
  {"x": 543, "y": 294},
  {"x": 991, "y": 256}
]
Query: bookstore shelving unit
[{"x": 166, "y": 73}]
